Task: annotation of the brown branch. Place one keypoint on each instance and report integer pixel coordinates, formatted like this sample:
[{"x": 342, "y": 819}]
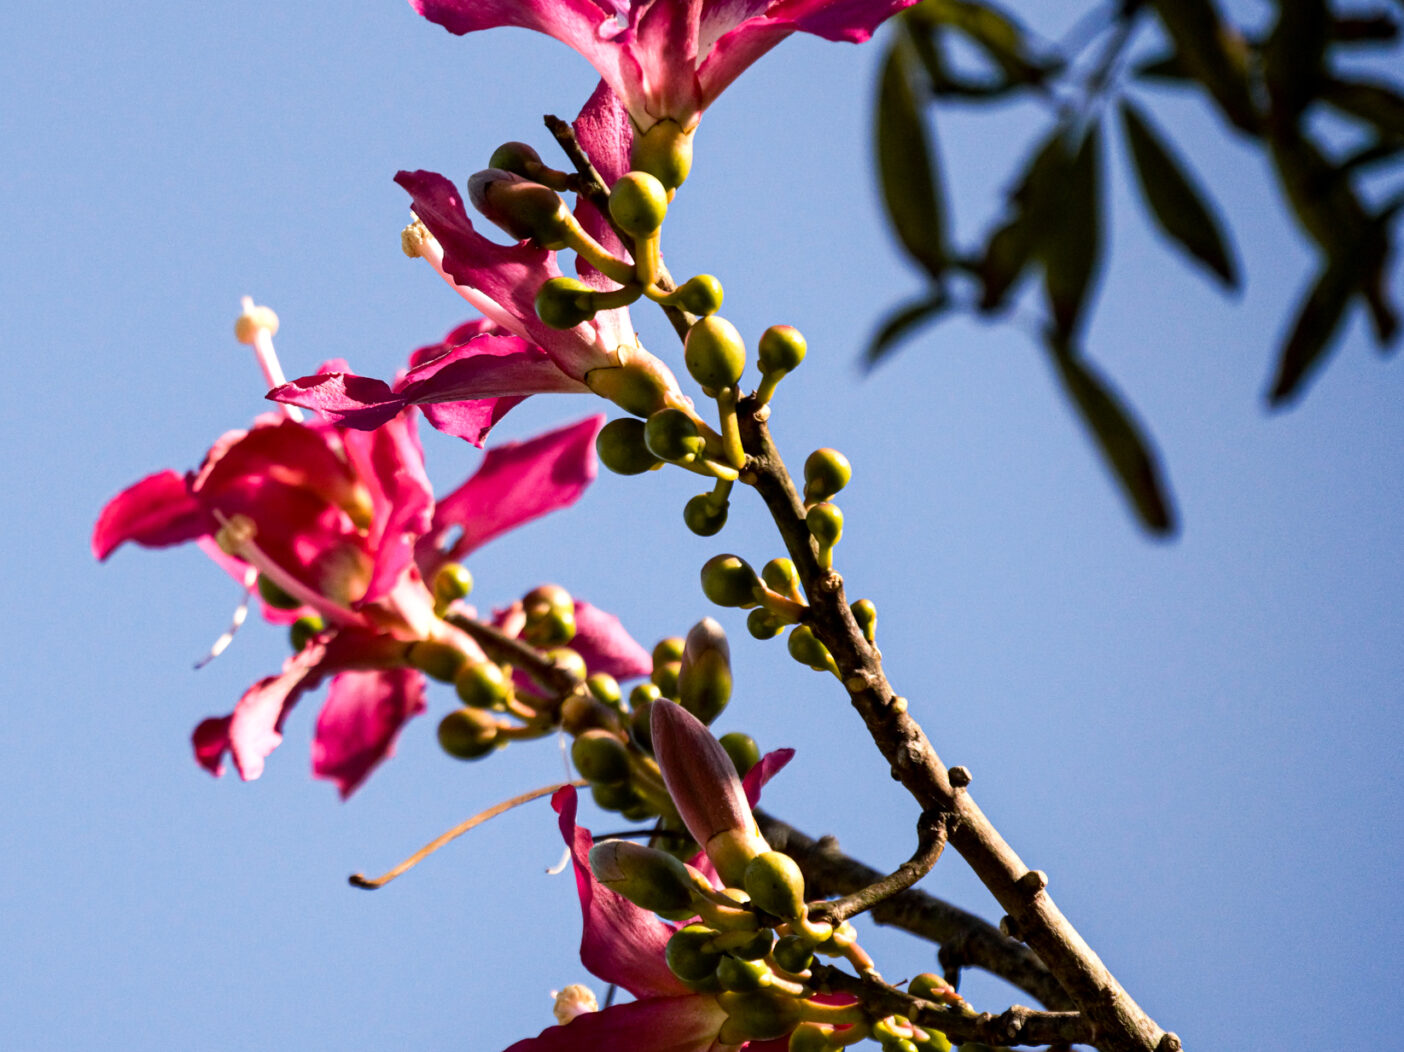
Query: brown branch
[
  {"x": 1016, "y": 1026},
  {"x": 501, "y": 647},
  {"x": 1119, "y": 1023},
  {"x": 963, "y": 937},
  {"x": 931, "y": 839}
]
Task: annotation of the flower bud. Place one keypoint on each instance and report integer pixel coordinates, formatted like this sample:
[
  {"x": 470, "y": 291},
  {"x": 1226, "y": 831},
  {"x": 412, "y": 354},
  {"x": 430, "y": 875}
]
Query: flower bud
[
  {"x": 482, "y": 685},
  {"x": 600, "y": 756},
  {"x": 638, "y": 203},
  {"x": 605, "y": 689},
  {"x": 564, "y": 303},
  {"x": 734, "y": 974},
  {"x": 704, "y": 517},
  {"x": 704, "y": 680},
  {"x": 775, "y": 884},
  {"x": 452, "y": 582},
  {"x": 617, "y": 796},
  {"x": 521, "y": 207},
  {"x": 568, "y": 660},
  {"x": 550, "y": 616},
  {"x": 622, "y": 448},
  {"x": 728, "y": 580},
  {"x": 781, "y": 349},
  {"x": 665, "y": 152},
  {"x": 665, "y": 678},
  {"x": 805, "y": 648},
  {"x": 714, "y": 353},
  {"x": 272, "y": 593},
  {"x": 672, "y": 435},
  {"x": 517, "y": 158},
  {"x": 742, "y": 749},
  {"x": 811, "y": 1037},
  {"x": 756, "y": 947},
  {"x": 467, "y": 734},
  {"x": 581, "y": 712},
  {"x": 825, "y": 522},
  {"x": 781, "y": 576},
  {"x": 642, "y": 387},
  {"x": 935, "y": 1042},
  {"x": 865, "y": 613},
  {"x": 762, "y": 624},
  {"x": 640, "y": 727},
  {"x": 670, "y": 649},
  {"x": 931, "y": 987},
  {"x": 758, "y": 1015},
  {"x": 303, "y": 630},
  {"x": 688, "y": 955},
  {"x": 440, "y": 661},
  {"x": 649, "y": 878},
  {"x": 794, "y": 953},
  {"x": 700, "y": 295},
  {"x": 826, "y": 471}
]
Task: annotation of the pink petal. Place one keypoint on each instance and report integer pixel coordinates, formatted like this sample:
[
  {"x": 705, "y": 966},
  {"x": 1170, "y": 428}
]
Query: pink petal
[
  {"x": 360, "y": 721},
  {"x": 605, "y": 644},
  {"x": 255, "y": 725},
  {"x": 657, "y": 1024},
  {"x": 211, "y": 742},
  {"x": 852, "y": 21},
  {"x": 621, "y": 943},
  {"x": 490, "y": 365},
  {"x": 766, "y": 768},
  {"x": 472, "y": 420},
  {"x": 518, "y": 482},
  {"x": 155, "y": 512},
  {"x": 456, "y": 338},
  {"x": 344, "y": 398}
]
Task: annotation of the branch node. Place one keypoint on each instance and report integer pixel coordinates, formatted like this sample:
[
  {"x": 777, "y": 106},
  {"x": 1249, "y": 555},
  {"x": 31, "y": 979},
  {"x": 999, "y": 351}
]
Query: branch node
[
  {"x": 1034, "y": 881},
  {"x": 1169, "y": 1042},
  {"x": 959, "y": 776},
  {"x": 858, "y": 682},
  {"x": 829, "y": 582},
  {"x": 1009, "y": 928}
]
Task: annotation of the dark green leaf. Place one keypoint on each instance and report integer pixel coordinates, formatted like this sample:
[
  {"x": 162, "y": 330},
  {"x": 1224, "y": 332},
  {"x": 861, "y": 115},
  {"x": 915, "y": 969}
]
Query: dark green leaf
[
  {"x": 1119, "y": 439},
  {"x": 1378, "y": 27},
  {"x": 909, "y": 187},
  {"x": 1071, "y": 246},
  {"x": 993, "y": 31},
  {"x": 1318, "y": 317},
  {"x": 1169, "y": 67},
  {"x": 1377, "y": 103},
  {"x": 901, "y": 324},
  {"x": 1007, "y": 255},
  {"x": 1177, "y": 205},
  {"x": 1034, "y": 206},
  {"x": 1294, "y": 54},
  {"x": 1202, "y": 42}
]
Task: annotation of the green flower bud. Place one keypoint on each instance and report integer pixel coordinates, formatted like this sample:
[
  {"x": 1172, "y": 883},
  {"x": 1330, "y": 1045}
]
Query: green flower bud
[
  {"x": 467, "y": 734},
  {"x": 600, "y": 756},
  {"x": 931, "y": 987},
  {"x": 564, "y": 303},
  {"x": 714, "y": 353},
  {"x": 272, "y": 593},
  {"x": 638, "y": 203},
  {"x": 781, "y": 349},
  {"x": 704, "y": 679},
  {"x": 811, "y": 1037},
  {"x": 825, "y": 522},
  {"x": 452, "y": 581},
  {"x": 550, "y": 616},
  {"x": 700, "y": 295},
  {"x": 665, "y": 678},
  {"x": 687, "y": 954},
  {"x": 581, "y": 712},
  {"x": 440, "y": 661},
  {"x": 649, "y": 878},
  {"x": 793, "y": 953},
  {"x": 865, "y": 613},
  {"x": 640, "y": 727},
  {"x": 605, "y": 689},
  {"x": 639, "y": 811},
  {"x": 672, "y": 435},
  {"x": 670, "y": 649},
  {"x": 781, "y": 576},
  {"x": 728, "y": 580},
  {"x": 741, "y": 975},
  {"x": 665, "y": 152},
  {"x": 758, "y": 1015},
  {"x": 899, "y": 1044},
  {"x": 482, "y": 685},
  {"x": 775, "y": 884},
  {"x": 614, "y": 797},
  {"x": 935, "y": 1042},
  {"x": 642, "y": 386},
  {"x": 303, "y": 630},
  {"x": 807, "y": 650},
  {"x": 758, "y": 946},
  {"x": 742, "y": 749},
  {"x": 826, "y": 471},
  {"x": 521, "y": 207},
  {"x": 622, "y": 448},
  {"x": 703, "y": 517},
  {"x": 517, "y": 158},
  {"x": 761, "y": 624},
  {"x": 568, "y": 660}
]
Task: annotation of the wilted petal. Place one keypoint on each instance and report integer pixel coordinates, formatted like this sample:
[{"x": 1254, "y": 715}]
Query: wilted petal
[
  {"x": 658, "y": 1024},
  {"x": 155, "y": 512},
  {"x": 621, "y": 943},
  {"x": 360, "y": 721},
  {"x": 606, "y": 645}
]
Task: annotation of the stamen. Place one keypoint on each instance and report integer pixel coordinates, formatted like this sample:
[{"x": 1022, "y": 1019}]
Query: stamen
[
  {"x": 416, "y": 241},
  {"x": 359, "y": 880},
  {"x": 255, "y": 327},
  {"x": 237, "y": 535},
  {"x": 240, "y": 613}
]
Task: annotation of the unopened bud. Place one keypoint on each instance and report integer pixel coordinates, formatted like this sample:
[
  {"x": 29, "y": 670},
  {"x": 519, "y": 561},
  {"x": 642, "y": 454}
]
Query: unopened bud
[
  {"x": 665, "y": 678},
  {"x": 806, "y": 648},
  {"x": 704, "y": 680},
  {"x": 865, "y": 613},
  {"x": 468, "y": 734},
  {"x": 569, "y": 661},
  {"x": 670, "y": 649},
  {"x": 272, "y": 593},
  {"x": 672, "y": 435},
  {"x": 622, "y": 448},
  {"x": 762, "y": 624},
  {"x": 615, "y": 796},
  {"x": 742, "y": 749},
  {"x": 665, "y": 152},
  {"x": 781, "y": 349},
  {"x": 605, "y": 689},
  {"x": 734, "y": 974},
  {"x": 641, "y": 387},
  {"x": 599, "y": 756},
  {"x": 714, "y": 353},
  {"x": 303, "y": 630},
  {"x": 701, "y": 295},
  {"x": 775, "y": 884},
  {"x": 440, "y": 661},
  {"x": 482, "y": 685},
  {"x": 564, "y": 303},
  {"x": 811, "y": 1037},
  {"x": 826, "y": 471},
  {"x": 649, "y": 878},
  {"x": 688, "y": 954},
  {"x": 550, "y": 617},
  {"x": 931, "y": 987},
  {"x": 825, "y": 522},
  {"x": 581, "y": 712},
  {"x": 519, "y": 158},
  {"x": 526, "y": 210},
  {"x": 640, "y": 721},
  {"x": 728, "y": 580},
  {"x": 781, "y": 576},
  {"x": 758, "y": 1015},
  {"x": 452, "y": 582},
  {"x": 704, "y": 516},
  {"x": 794, "y": 953},
  {"x": 638, "y": 203}
]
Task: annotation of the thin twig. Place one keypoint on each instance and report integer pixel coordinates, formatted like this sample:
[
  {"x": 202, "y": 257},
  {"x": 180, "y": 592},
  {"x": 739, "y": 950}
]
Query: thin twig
[{"x": 931, "y": 839}]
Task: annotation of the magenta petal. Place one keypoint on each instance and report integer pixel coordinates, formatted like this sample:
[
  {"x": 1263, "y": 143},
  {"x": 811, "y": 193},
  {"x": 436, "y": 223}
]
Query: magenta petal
[
  {"x": 255, "y": 725},
  {"x": 487, "y": 366},
  {"x": 621, "y": 943},
  {"x": 211, "y": 742},
  {"x": 471, "y": 420},
  {"x": 519, "y": 482},
  {"x": 360, "y": 721},
  {"x": 657, "y": 1024},
  {"x": 766, "y": 768},
  {"x": 852, "y": 21},
  {"x": 155, "y": 512},
  {"x": 605, "y": 644},
  {"x": 344, "y": 398}
]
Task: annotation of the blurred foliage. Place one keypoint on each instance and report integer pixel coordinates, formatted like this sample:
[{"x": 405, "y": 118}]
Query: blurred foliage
[{"x": 1270, "y": 85}]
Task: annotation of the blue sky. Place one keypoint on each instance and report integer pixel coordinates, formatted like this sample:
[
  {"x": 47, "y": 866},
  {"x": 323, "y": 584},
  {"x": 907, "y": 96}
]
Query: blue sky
[{"x": 1197, "y": 740}]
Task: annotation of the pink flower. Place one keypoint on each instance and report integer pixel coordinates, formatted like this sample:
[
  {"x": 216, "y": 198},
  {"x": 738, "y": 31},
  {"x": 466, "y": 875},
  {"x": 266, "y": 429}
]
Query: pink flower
[
  {"x": 346, "y": 524},
  {"x": 668, "y": 59}
]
